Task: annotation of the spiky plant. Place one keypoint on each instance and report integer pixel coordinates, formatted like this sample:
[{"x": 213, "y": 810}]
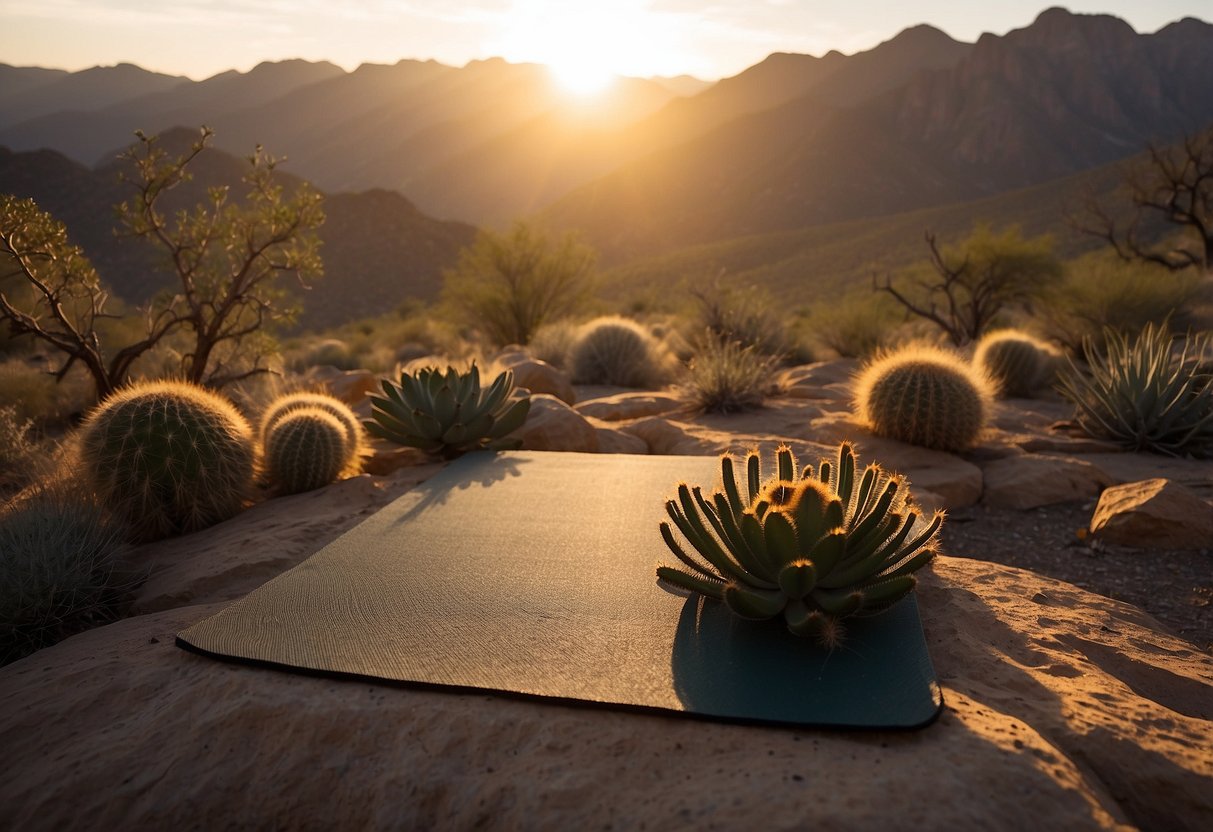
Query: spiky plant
[
  {"x": 1143, "y": 394},
  {"x": 305, "y": 449},
  {"x": 814, "y": 547},
  {"x": 924, "y": 396},
  {"x": 1017, "y": 363},
  {"x": 448, "y": 413},
  {"x": 60, "y": 569},
  {"x": 355, "y": 437},
  {"x": 168, "y": 457},
  {"x": 619, "y": 352}
]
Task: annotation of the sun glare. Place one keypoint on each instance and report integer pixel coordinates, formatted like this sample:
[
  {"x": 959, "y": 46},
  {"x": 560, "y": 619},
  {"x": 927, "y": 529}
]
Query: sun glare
[{"x": 586, "y": 45}]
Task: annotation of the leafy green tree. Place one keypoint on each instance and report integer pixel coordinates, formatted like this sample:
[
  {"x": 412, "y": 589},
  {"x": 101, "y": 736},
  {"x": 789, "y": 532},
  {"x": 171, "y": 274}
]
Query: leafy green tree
[
  {"x": 227, "y": 256},
  {"x": 962, "y": 288},
  {"x": 510, "y": 284}
]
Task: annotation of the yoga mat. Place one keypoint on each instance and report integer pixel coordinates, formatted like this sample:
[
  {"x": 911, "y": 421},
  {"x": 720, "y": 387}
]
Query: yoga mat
[{"x": 533, "y": 573}]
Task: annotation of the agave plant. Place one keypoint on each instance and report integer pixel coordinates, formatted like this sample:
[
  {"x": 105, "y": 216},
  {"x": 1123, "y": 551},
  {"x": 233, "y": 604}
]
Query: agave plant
[
  {"x": 1143, "y": 395},
  {"x": 448, "y": 412},
  {"x": 815, "y": 547}
]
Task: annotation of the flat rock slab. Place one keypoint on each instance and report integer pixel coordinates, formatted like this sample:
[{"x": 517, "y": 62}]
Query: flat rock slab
[
  {"x": 1034, "y": 480},
  {"x": 1063, "y": 708}
]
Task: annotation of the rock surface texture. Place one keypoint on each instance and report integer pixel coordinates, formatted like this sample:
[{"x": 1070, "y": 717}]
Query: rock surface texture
[
  {"x": 1060, "y": 705},
  {"x": 1154, "y": 514},
  {"x": 1063, "y": 709}
]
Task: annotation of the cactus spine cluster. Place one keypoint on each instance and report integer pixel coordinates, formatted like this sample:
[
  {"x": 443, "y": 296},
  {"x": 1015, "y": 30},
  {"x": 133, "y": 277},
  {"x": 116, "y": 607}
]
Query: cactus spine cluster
[
  {"x": 618, "y": 352},
  {"x": 1014, "y": 361},
  {"x": 448, "y": 413},
  {"x": 924, "y": 396},
  {"x": 305, "y": 448},
  {"x": 168, "y": 457},
  {"x": 351, "y": 427},
  {"x": 814, "y": 547}
]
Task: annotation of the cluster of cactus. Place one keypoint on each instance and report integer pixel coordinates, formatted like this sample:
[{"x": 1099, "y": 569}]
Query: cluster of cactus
[
  {"x": 309, "y": 440},
  {"x": 1014, "y": 361},
  {"x": 814, "y": 547},
  {"x": 168, "y": 457},
  {"x": 618, "y": 352},
  {"x": 925, "y": 396},
  {"x": 1143, "y": 394},
  {"x": 449, "y": 413}
]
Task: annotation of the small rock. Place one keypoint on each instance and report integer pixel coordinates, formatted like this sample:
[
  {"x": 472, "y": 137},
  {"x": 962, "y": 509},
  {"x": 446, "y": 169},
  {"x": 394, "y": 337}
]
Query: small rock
[
  {"x": 623, "y": 406},
  {"x": 1153, "y": 514},
  {"x": 351, "y": 386},
  {"x": 611, "y": 441},
  {"x": 1029, "y": 481},
  {"x": 667, "y": 438},
  {"x": 554, "y": 426},
  {"x": 538, "y": 376}
]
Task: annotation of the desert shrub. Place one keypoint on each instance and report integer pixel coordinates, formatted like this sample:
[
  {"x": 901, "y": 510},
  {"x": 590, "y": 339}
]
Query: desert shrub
[
  {"x": 1102, "y": 292},
  {"x": 168, "y": 457},
  {"x": 857, "y": 325},
  {"x": 749, "y": 317},
  {"x": 1144, "y": 394},
  {"x": 510, "y": 284},
  {"x": 1018, "y": 363},
  {"x": 924, "y": 396},
  {"x": 725, "y": 377},
  {"x": 305, "y": 448},
  {"x": 330, "y": 352},
  {"x": 16, "y": 444},
  {"x": 619, "y": 352},
  {"x": 552, "y": 342},
  {"x": 61, "y": 570}
]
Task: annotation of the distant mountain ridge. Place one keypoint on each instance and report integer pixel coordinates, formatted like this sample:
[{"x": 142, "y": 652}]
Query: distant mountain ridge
[
  {"x": 378, "y": 249},
  {"x": 793, "y": 142}
]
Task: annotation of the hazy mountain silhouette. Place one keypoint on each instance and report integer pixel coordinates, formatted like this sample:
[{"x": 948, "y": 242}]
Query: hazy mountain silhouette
[
  {"x": 86, "y": 91},
  {"x": 1067, "y": 93},
  {"x": 378, "y": 249}
]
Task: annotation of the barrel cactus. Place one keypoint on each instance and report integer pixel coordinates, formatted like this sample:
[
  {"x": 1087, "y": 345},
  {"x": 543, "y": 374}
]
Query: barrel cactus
[
  {"x": 305, "y": 449},
  {"x": 1014, "y": 361},
  {"x": 168, "y": 457},
  {"x": 351, "y": 426},
  {"x": 924, "y": 396},
  {"x": 814, "y": 547},
  {"x": 449, "y": 413},
  {"x": 618, "y": 352}
]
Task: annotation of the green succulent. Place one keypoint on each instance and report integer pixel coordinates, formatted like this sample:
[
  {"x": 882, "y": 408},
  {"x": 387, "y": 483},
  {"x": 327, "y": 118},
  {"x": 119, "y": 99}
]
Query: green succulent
[
  {"x": 814, "y": 547},
  {"x": 448, "y": 412},
  {"x": 1143, "y": 395}
]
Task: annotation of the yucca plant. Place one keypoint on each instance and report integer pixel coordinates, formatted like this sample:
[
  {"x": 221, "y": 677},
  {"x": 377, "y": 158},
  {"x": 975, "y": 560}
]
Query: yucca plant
[
  {"x": 815, "y": 547},
  {"x": 448, "y": 413},
  {"x": 1143, "y": 394}
]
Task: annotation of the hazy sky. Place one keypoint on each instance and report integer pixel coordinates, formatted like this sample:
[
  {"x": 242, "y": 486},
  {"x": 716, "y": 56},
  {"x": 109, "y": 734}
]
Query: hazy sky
[{"x": 708, "y": 38}]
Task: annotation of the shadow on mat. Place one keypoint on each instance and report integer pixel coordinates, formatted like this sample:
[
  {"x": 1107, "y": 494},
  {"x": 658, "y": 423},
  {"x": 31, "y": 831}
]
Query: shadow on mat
[{"x": 435, "y": 491}]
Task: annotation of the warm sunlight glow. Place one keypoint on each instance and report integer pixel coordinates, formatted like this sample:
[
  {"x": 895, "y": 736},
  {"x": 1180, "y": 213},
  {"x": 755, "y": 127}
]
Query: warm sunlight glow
[{"x": 587, "y": 44}]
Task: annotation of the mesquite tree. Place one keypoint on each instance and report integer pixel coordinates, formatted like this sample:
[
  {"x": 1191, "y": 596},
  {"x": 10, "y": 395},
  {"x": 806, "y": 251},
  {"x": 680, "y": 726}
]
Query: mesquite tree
[
  {"x": 227, "y": 257},
  {"x": 1173, "y": 185},
  {"x": 963, "y": 288}
]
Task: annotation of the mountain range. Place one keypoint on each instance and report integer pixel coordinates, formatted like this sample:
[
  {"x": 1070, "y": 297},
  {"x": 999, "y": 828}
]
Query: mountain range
[{"x": 654, "y": 168}]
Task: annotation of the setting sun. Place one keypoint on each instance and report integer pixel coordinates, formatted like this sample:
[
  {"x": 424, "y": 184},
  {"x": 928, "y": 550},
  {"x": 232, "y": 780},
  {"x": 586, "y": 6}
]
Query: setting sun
[{"x": 586, "y": 45}]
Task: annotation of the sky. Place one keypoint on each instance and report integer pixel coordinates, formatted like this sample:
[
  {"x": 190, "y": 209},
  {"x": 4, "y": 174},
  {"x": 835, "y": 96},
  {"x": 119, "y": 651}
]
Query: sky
[{"x": 706, "y": 38}]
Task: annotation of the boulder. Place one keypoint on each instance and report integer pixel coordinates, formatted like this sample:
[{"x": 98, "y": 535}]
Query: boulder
[
  {"x": 611, "y": 441},
  {"x": 554, "y": 426},
  {"x": 1154, "y": 514},
  {"x": 1061, "y": 707},
  {"x": 669, "y": 438},
  {"x": 955, "y": 481},
  {"x": 538, "y": 376},
  {"x": 636, "y": 405},
  {"x": 351, "y": 386},
  {"x": 1030, "y": 481}
]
